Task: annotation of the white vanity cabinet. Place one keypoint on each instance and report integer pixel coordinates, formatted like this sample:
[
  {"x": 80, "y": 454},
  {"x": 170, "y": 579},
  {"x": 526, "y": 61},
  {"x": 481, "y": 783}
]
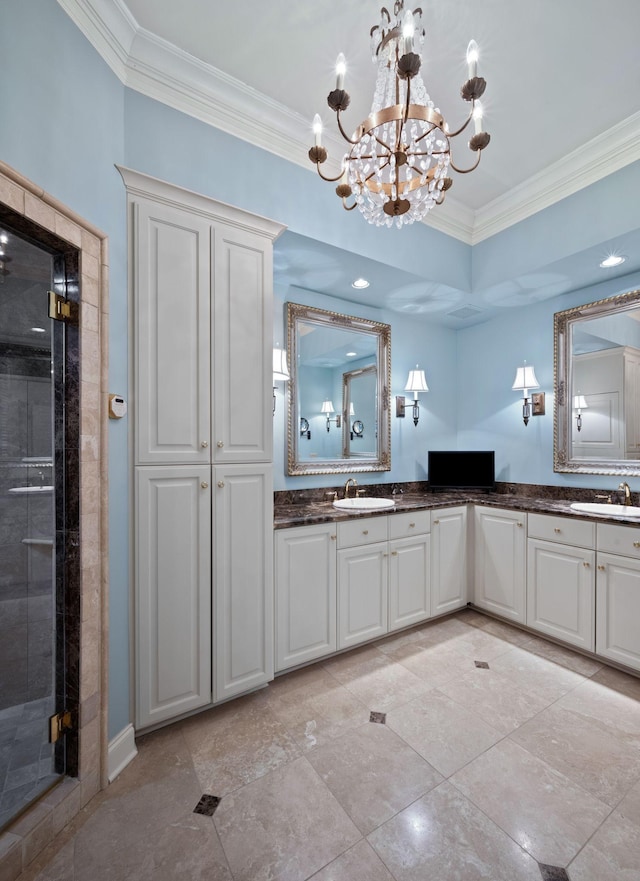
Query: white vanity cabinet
[
  {"x": 305, "y": 567},
  {"x": 363, "y": 580},
  {"x": 201, "y": 293},
  {"x": 449, "y": 572},
  {"x": 500, "y": 549},
  {"x": 173, "y": 591},
  {"x": 618, "y": 594},
  {"x": 409, "y": 568},
  {"x": 561, "y": 579}
]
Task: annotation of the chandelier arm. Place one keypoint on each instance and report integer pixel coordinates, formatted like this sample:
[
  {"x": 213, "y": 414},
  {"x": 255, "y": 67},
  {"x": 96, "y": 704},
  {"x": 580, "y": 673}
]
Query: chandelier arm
[
  {"x": 462, "y": 127},
  {"x": 342, "y": 131},
  {"x": 348, "y": 207},
  {"x": 330, "y": 180},
  {"x": 466, "y": 170},
  {"x": 424, "y": 134}
]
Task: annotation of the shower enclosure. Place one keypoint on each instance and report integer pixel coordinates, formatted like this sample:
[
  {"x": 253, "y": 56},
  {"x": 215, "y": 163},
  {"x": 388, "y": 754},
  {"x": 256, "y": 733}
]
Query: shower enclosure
[{"x": 38, "y": 517}]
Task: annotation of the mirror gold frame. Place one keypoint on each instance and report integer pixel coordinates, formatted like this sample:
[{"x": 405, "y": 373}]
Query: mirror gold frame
[
  {"x": 564, "y": 438},
  {"x": 298, "y": 315}
]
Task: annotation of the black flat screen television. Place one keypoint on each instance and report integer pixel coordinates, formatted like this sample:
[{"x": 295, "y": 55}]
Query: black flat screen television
[{"x": 461, "y": 469}]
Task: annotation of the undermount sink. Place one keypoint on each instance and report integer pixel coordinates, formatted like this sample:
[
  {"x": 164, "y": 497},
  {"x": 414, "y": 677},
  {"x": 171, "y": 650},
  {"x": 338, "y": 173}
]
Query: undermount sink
[
  {"x": 606, "y": 508},
  {"x": 363, "y": 503}
]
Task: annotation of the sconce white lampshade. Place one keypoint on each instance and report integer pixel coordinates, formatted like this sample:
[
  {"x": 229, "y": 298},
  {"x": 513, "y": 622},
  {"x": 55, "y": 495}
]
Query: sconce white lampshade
[
  {"x": 327, "y": 407},
  {"x": 525, "y": 379},
  {"x": 416, "y": 382},
  {"x": 280, "y": 368},
  {"x": 579, "y": 403},
  {"x": 352, "y": 412}
]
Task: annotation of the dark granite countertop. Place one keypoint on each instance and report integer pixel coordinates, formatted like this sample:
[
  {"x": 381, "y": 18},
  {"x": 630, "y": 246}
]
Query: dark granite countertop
[{"x": 308, "y": 512}]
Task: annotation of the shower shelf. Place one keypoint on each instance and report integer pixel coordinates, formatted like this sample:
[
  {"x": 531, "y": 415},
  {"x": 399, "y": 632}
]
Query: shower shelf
[
  {"x": 28, "y": 490},
  {"x": 41, "y": 542}
]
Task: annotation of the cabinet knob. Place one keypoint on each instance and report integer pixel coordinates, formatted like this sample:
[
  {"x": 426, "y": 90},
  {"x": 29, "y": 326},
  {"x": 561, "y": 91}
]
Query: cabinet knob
[
  {"x": 385, "y": 555},
  {"x": 435, "y": 522},
  {"x": 204, "y": 485},
  {"x": 636, "y": 544},
  {"x": 220, "y": 445},
  {"x": 601, "y": 568},
  {"x": 333, "y": 538},
  {"x": 556, "y": 529},
  {"x": 586, "y": 565},
  {"x": 520, "y": 525},
  {"x": 394, "y": 553},
  {"x": 220, "y": 484},
  {"x": 204, "y": 444},
  {"x": 365, "y": 532},
  {"x": 412, "y": 526}
]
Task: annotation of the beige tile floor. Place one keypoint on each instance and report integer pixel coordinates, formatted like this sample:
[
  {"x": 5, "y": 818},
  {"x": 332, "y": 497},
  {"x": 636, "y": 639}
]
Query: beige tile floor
[{"x": 476, "y": 775}]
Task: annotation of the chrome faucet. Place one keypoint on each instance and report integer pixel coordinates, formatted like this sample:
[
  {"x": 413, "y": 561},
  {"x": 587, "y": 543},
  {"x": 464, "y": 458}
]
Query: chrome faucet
[
  {"x": 351, "y": 482},
  {"x": 627, "y": 493}
]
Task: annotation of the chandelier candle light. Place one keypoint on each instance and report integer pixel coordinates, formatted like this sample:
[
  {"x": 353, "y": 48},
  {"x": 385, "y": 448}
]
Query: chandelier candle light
[{"x": 397, "y": 162}]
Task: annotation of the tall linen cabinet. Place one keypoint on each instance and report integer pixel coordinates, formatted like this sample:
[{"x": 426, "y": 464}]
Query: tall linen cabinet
[{"x": 201, "y": 283}]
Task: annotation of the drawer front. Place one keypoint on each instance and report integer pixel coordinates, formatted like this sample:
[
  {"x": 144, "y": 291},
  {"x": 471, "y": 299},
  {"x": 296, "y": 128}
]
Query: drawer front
[
  {"x": 362, "y": 531},
  {"x": 616, "y": 539},
  {"x": 410, "y": 523},
  {"x": 566, "y": 530}
]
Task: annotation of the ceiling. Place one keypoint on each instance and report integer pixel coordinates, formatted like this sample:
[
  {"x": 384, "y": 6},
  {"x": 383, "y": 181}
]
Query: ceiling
[{"x": 563, "y": 79}]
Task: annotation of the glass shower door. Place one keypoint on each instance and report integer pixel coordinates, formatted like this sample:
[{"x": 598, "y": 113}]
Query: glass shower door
[{"x": 31, "y": 586}]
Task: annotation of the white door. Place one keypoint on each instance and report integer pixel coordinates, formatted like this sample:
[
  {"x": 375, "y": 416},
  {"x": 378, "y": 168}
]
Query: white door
[
  {"x": 243, "y": 578},
  {"x": 409, "y": 581},
  {"x": 173, "y": 591},
  {"x": 305, "y": 571},
  {"x": 171, "y": 302},
  {"x": 500, "y": 562},
  {"x": 448, "y": 559},
  {"x": 618, "y": 609},
  {"x": 561, "y": 592},
  {"x": 362, "y": 593},
  {"x": 242, "y": 335}
]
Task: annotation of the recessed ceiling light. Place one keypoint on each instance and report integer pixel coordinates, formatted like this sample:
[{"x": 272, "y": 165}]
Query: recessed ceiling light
[
  {"x": 360, "y": 283},
  {"x": 612, "y": 260},
  {"x": 351, "y": 354},
  {"x": 38, "y": 330},
  {"x": 4, "y": 238}
]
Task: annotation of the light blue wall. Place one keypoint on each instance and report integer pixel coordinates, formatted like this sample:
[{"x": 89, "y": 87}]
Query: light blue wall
[
  {"x": 490, "y": 413},
  {"x": 66, "y": 121},
  {"x": 62, "y": 112}
]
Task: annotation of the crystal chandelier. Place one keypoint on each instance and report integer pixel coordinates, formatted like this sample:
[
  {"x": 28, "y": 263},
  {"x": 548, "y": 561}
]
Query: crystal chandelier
[{"x": 397, "y": 162}]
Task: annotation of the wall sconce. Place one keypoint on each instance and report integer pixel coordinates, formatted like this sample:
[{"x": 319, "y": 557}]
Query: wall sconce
[
  {"x": 280, "y": 371},
  {"x": 305, "y": 431},
  {"x": 525, "y": 380},
  {"x": 327, "y": 408},
  {"x": 415, "y": 383},
  {"x": 579, "y": 404}
]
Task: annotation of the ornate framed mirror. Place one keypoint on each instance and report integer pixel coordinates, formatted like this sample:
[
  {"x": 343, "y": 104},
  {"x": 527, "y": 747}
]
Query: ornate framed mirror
[
  {"x": 340, "y": 369},
  {"x": 597, "y": 387}
]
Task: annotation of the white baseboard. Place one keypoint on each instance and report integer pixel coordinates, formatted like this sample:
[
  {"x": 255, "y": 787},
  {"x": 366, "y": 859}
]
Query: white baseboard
[{"x": 122, "y": 750}]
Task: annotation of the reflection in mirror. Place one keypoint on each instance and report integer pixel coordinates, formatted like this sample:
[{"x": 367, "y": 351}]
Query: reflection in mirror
[
  {"x": 597, "y": 387},
  {"x": 337, "y": 361}
]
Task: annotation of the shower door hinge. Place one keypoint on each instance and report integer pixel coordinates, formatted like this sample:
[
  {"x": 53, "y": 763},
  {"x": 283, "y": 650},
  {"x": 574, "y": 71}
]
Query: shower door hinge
[
  {"x": 61, "y": 309},
  {"x": 59, "y": 724}
]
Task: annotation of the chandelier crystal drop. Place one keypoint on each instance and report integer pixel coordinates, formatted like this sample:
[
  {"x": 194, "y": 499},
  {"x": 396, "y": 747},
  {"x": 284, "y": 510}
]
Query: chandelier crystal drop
[{"x": 396, "y": 167}]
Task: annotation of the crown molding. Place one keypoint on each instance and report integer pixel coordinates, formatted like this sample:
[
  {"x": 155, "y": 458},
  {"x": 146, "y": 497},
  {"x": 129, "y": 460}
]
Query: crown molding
[
  {"x": 158, "y": 69},
  {"x": 614, "y": 149}
]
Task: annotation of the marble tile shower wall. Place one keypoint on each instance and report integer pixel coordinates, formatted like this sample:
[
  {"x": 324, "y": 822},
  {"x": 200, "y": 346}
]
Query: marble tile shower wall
[{"x": 26, "y": 527}]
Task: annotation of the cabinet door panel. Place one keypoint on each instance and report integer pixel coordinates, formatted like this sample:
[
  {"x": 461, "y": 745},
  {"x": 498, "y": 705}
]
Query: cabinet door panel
[
  {"x": 173, "y": 592},
  {"x": 618, "y": 610},
  {"x": 243, "y": 578},
  {"x": 305, "y": 594},
  {"x": 449, "y": 560},
  {"x": 242, "y": 347},
  {"x": 171, "y": 266},
  {"x": 500, "y": 562},
  {"x": 362, "y": 594},
  {"x": 561, "y": 592},
  {"x": 409, "y": 581}
]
